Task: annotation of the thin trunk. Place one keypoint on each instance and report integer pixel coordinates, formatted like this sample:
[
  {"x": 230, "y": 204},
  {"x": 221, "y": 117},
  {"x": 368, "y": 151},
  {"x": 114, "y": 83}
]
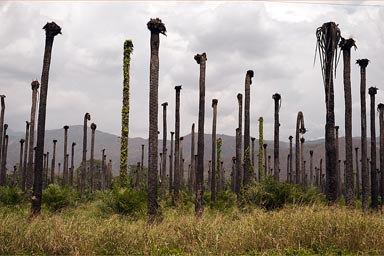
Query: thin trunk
[
  {"x": 21, "y": 162},
  {"x": 349, "y": 183},
  {"x": 247, "y": 128},
  {"x": 92, "y": 162},
  {"x": 199, "y": 204},
  {"x": 219, "y": 171},
  {"x": 380, "y": 108},
  {"x": 171, "y": 165},
  {"x": 44, "y": 165},
  {"x": 239, "y": 169},
  {"x": 311, "y": 167},
  {"x": 213, "y": 168},
  {"x": 156, "y": 27},
  {"x": 176, "y": 180},
  {"x": 72, "y": 164},
  {"x": 3, "y": 174},
  {"x": 260, "y": 155},
  {"x": 338, "y": 162},
  {"x": 238, "y": 162},
  {"x": 103, "y": 169},
  {"x": 24, "y": 174},
  {"x": 276, "y": 165},
  {"x": 141, "y": 173},
  {"x": 209, "y": 174},
  {"x": 192, "y": 170},
  {"x": 358, "y": 174},
  {"x": 65, "y": 166},
  {"x": 2, "y": 133},
  {"x": 164, "y": 161},
  {"x": 374, "y": 185},
  {"x": 364, "y": 168},
  {"x": 87, "y": 117},
  {"x": 290, "y": 160},
  {"x": 51, "y": 30},
  {"x": 265, "y": 159},
  {"x": 53, "y": 163},
  {"x": 233, "y": 174},
  {"x": 288, "y": 174},
  {"x": 181, "y": 175},
  {"x": 300, "y": 130},
  {"x": 253, "y": 157}
]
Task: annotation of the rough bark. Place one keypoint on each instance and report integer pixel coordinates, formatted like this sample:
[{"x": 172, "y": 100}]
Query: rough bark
[
  {"x": 276, "y": 164},
  {"x": 199, "y": 204},
  {"x": 87, "y": 117},
  {"x": 253, "y": 157},
  {"x": 247, "y": 128},
  {"x": 300, "y": 130},
  {"x": 51, "y": 30},
  {"x": 176, "y": 175},
  {"x": 265, "y": 159}
]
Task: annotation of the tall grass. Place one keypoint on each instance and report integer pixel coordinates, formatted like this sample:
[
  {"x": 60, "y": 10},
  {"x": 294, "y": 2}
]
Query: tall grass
[{"x": 85, "y": 230}]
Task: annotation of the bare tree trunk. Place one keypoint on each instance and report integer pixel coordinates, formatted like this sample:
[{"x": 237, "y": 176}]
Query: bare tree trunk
[
  {"x": 171, "y": 165},
  {"x": 2, "y": 134},
  {"x": 103, "y": 157},
  {"x": 176, "y": 180},
  {"x": 72, "y": 164},
  {"x": 219, "y": 170},
  {"x": 238, "y": 162},
  {"x": 276, "y": 164},
  {"x": 364, "y": 168},
  {"x": 311, "y": 167},
  {"x": 374, "y": 185},
  {"x": 209, "y": 174},
  {"x": 65, "y": 166},
  {"x": 164, "y": 161},
  {"x": 380, "y": 108},
  {"x": 213, "y": 168},
  {"x": 322, "y": 185},
  {"x": 21, "y": 162},
  {"x": 233, "y": 175},
  {"x": 239, "y": 166},
  {"x": 338, "y": 162},
  {"x": 141, "y": 173},
  {"x": 290, "y": 160},
  {"x": 51, "y": 30},
  {"x": 247, "y": 128},
  {"x": 357, "y": 174},
  {"x": 265, "y": 159},
  {"x": 192, "y": 170},
  {"x": 87, "y": 117},
  {"x": 92, "y": 162},
  {"x": 4, "y": 157},
  {"x": 260, "y": 155},
  {"x": 156, "y": 27},
  {"x": 53, "y": 163},
  {"x": 300, "y": 129},
  {"x": 181, "y": 175},
  {"x": 24, "y": 174},
  {"x": 199, "y": 205},
  {"x": 44, "y": 165},
  {"x": 253, "y": 158}
]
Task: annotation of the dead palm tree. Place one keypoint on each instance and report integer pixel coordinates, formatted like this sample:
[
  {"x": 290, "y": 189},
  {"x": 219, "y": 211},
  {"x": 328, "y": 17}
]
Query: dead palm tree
[
  {"x": 265, "y": 159},
  {"x": 65, "y": 166},
  {"x": 238, "y": 162},
  {"x": 44, "y": 165},
  {"x": 213, "y": 168},
  {"x": 92, "y": 162},
  {"x": 346, "y": 45},
  {"x": 276, "y": 165},
  {"x": 247, "y": 128},
  {"x": 21, "y": 161},
  {"x": 51, "y": 30},
  {"x": 338, "y": 161},
  {"x": 253, "y": 157},
  {"x": 300, "y": 130},
  {"x": 128, "y": 49},
  {"x": 176, "y": 180},
  {"x": 358, "y": 174},
  {"x": 87, "y": 117},
  {"x": 24, "y": 173},
  {"x": 261, "y": 142},
  {"x": 363, "y": 63},
  {"x": 219, "y": 170},
  {"x": 311, "y": 167},
  {"x": 171, "y": 165},
  {"x": 199, "y": 205},
  {"x": 181, "y": 175},
  {"x": 239, "y": 166},
  {"x": 374, "y": 185},
  {"x": 53, "y": 163},
  {"x": 328, "y": 37},
  {"x": 2, "y": 97},
  {"x": 288, "y": 173},
  {"x": 103, "y": 169},
  {"x": 141, "y": 173},
  {"x": 192, "y": 170},
  {"x": 35, "y": 86},
  {"x": 156, "y": 27},
  {"x": 3, "y": 173},
  {"x": 290, "y": 160},
  {"x": 72, "y": 164},
  {"x": 380, "y": 108},
  {"x": 164, "y": 161}
]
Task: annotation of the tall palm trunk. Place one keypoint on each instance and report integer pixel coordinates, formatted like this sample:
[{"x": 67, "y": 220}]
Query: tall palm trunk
[
  {"x": 164, "y": 161},
  {"x": 53, "y": 163},
  {"x": 199, "y": 205},
  {"x": 213, "y": 168},
  {"x": 261, "y": 142},
  {"x": 58, "y": 173},
  {"x": 51, "y": 30},
  {"x": 239, "y": 166},
  {"x": 171, "y": 165},
  {"x": 338, "y": 162},
  {"x": 328, "y": 36},
  {"x": 374, "y": 185},
  {"x": 219, "y": 170},
  {"x": 176, "y": 180},
  {"x": 265, "y": 159},
  {"x": 24, "y": 174},
  {"x": 3, "y": 171},
  {"x": 358, "y": 173},
  {"x": 247, "y": 128},
  {"x": 35, "y": 86},
  {"x": 92, "y": 162},
  {"x": 253, "y": 157},
  {"x": 103, "y": 169},
  {"x": 65, "y": 166},
  {"x": 44, "y": 165},
  {"x": 141, "y": 173},
  {"x": 87, "y": 117},
  {"x": 380, "y": 108},
  {"x": 276, "y": 165},
  {"x": 181, "y": 175},
  {"x": 288, "y": 174},
  {"x": 156, "y": 27},
  {"x": 128, "y": 49},
  {"x": 72, "y": 164},
  {"x": 311, "y": 167},
  {"x": 20, "y": 170},
  {"x": 346, "y": 46},
  {"x": 300, "y": 130},
  {"x": 363, "y": 63},
  {"x": 1, "y": 128},
  {"x": 290, "y": 160},
  {"x": 192, "y": 170},
  {"x": 238, "y": 162}
]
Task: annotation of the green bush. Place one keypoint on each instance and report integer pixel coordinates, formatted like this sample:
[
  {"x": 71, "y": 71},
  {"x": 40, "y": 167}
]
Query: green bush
[
  {"x": 10, "y": 196},
  {"x": 56, "y": 198},
  {"x": 126, "y": 201},
  {"x": 271, "y": 194}
]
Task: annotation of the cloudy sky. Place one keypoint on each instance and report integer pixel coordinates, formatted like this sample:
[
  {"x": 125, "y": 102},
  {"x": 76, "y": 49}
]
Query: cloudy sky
[{"x": 275, "y": 39}]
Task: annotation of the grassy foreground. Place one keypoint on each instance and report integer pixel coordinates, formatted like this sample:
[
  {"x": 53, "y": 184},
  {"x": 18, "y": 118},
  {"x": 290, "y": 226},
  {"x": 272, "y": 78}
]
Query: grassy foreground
[{"x": 86, "y": 230}]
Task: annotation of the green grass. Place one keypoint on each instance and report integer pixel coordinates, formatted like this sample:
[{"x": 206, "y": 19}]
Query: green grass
[{"x": 86, "y": 229}]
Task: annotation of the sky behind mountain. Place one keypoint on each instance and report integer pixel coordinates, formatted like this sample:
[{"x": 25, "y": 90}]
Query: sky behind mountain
[{"x": 275, "y": 39}]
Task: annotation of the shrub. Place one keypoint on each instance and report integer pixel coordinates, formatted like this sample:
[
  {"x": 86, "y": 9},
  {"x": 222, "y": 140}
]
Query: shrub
[
  {"x": 56, "y": 198},
  {"x": 271, "y": 194},
  {"x": 126, "y": 201},
  {"x": 10, "y": 196}
]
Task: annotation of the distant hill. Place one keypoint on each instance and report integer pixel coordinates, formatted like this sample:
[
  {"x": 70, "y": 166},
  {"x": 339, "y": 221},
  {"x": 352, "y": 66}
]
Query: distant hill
[{"x": 112, "y": 145}]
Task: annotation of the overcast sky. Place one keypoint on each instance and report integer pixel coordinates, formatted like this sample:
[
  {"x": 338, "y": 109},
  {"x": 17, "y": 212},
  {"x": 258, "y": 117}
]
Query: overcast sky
[{"x": 275, "y": 39}]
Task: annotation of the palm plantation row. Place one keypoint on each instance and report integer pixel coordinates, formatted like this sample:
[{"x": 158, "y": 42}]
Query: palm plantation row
[{"x": 34, "y": 163}]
